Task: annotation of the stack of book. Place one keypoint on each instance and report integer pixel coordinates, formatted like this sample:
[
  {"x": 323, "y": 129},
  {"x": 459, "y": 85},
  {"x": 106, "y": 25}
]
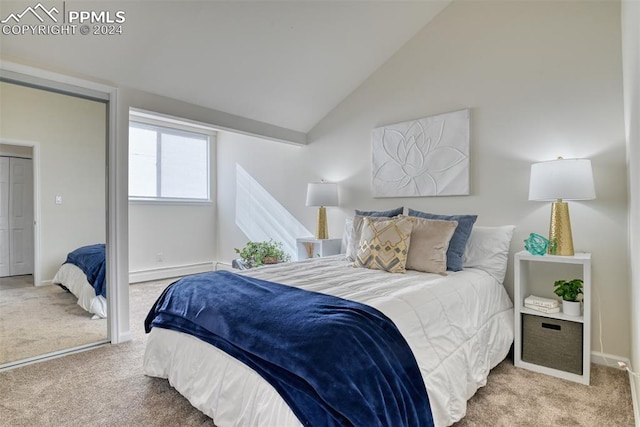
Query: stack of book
[{"x": 543, "y": 305}]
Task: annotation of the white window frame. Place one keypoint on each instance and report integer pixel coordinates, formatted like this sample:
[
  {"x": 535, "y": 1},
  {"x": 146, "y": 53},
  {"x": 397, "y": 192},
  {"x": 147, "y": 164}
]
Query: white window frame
[{"x": 181, "y": 127}]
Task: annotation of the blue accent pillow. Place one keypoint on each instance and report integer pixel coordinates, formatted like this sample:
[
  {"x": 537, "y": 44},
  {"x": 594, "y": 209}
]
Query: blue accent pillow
[
  {"x": 391, "y": 213},
  {"x": 458, "y": 242}
]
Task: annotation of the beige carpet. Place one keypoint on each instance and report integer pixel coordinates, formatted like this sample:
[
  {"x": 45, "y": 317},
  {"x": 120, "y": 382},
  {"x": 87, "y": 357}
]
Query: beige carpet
[
  {"x": 517, "y": 397},
  {"x": 106, "y": 387},
  {"x": 37, "y": 320}
]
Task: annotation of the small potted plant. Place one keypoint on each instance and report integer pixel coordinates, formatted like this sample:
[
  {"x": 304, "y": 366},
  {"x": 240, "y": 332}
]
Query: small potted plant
[
  {"x": 255, "y": 254},
  {"x": 569, "y": 290}
]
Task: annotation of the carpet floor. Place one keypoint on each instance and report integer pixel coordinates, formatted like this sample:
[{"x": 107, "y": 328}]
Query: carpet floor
[
  {"x": 37, "y": 320},
  {"x": 106, "y": 387}
]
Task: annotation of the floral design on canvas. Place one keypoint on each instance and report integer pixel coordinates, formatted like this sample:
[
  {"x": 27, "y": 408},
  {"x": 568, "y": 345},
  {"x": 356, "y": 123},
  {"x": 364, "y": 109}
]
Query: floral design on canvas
[{"x": 426, "y": 157}]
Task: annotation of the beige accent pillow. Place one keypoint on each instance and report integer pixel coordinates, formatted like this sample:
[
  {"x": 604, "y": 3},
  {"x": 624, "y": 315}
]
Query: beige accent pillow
[
  {"x": 429, "y": 243},
  {"x": 384, "y": 244},
  {"x": 352, "y": 244}
]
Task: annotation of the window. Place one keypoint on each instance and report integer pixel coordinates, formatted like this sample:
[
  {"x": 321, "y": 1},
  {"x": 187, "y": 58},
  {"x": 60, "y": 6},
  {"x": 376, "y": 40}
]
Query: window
[{"x": 167, "y": 162}]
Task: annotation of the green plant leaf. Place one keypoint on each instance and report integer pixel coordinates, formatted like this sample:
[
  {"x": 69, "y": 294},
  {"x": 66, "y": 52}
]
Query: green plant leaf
[
  {"x": 568, "y": 290},
  {"x": 254, "y": 253}
]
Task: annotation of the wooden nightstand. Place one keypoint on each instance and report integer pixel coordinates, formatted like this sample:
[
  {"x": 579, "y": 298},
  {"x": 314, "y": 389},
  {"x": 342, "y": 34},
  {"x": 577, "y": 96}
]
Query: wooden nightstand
[
  {"x": 552, "y": 343},
  {"x": 310, "y": 247}
]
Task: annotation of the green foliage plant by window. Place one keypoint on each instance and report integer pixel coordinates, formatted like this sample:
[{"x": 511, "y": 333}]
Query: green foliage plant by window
[
  {"x": 568, "y": 290},
  {"x": 256, "y": 254}
]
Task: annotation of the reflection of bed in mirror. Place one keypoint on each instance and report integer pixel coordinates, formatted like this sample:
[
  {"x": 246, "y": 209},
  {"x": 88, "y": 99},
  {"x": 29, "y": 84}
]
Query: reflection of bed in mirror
[
  {"x": 65, "y": 130},
  {"x": 83, "y": 274}
]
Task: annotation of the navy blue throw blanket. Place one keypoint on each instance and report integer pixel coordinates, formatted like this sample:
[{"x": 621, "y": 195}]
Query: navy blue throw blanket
[
  {"x": 91, "y": 260},
  {"x": 334, "y": 362}
]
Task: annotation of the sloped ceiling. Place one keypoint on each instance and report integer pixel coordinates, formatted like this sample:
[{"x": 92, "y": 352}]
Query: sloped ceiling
[{"x": 287, "y": 64}]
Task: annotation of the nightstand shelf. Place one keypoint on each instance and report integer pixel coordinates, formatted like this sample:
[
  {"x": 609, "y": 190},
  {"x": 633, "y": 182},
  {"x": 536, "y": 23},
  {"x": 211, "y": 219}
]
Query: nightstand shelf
[
  {"x": 310, "y": 247},
  {"x": 559, "y": 316},
  {"x": 552, "y": 343}
]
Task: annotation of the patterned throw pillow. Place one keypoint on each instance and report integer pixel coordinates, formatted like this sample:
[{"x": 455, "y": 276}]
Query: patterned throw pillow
[
  {"x": 384, "y": 245},
  {"x": 357, "y": 224},
  {"x": 354, "y": 234}
]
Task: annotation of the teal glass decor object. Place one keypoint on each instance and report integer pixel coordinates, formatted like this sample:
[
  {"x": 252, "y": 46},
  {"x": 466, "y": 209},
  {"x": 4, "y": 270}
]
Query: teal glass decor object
[{"x": 536, "y": 244}]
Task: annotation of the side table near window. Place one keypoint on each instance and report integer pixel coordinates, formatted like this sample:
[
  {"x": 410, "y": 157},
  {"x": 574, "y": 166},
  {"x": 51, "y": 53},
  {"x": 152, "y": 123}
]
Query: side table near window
[{"x": 310, "y": 247}]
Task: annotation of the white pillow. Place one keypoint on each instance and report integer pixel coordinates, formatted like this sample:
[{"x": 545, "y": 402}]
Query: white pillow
[
  {"x": 347, "y": 235},
  {"x": 488, "y": 249}
]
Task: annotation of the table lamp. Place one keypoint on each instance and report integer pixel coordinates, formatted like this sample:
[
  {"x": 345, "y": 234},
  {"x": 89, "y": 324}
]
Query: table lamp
[
  {"x": 559, "y": 180},
  {"x": 322, "y": 194}
]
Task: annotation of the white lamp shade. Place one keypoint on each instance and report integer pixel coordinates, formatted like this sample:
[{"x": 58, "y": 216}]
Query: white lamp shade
[
  {"x": 568, "y": 179},
  {"x": 322, "y": 194}
]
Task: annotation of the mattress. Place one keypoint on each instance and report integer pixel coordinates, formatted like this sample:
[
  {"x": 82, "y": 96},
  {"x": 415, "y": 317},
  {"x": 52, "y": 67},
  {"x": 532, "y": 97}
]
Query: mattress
[
  {"x": 458, "y": 326},
  {"x": 74, "y": 279}
]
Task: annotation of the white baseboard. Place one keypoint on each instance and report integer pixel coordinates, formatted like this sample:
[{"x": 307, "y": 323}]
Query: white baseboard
[
  {"x": 635, "y": 391},
  {"x": 221, "y": 265},
  {"x": 123, "y": 337},
  {"x": 169, "y": 272},
  {"x": 612, "y": 361}
]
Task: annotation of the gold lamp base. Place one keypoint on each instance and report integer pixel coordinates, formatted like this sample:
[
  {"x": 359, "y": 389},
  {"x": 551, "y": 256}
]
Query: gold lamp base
[
  {"x": 322, "y": 230},
  {"x": 560, "y": 238}
]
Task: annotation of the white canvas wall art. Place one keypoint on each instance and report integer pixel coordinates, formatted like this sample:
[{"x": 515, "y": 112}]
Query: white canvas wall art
[{"x": 425, "y": 157}]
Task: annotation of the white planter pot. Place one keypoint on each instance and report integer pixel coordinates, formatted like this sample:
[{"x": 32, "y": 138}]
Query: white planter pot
[{"x": 571, "y": 308}]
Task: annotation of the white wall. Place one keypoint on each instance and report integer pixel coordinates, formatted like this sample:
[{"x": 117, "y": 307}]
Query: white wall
[
  {"x": 542, "y": 79},
  {"x": 71, "y": 133},
  {"x": 281, "y": 169},
  {"x": 184, "y": 234},
  {"x": 191, "y": 241},
  {"x": 631, "y": 52}
]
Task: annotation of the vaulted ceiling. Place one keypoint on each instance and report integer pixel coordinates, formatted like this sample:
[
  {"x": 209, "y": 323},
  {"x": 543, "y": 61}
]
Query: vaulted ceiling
[{"x": 287, "y": 63}]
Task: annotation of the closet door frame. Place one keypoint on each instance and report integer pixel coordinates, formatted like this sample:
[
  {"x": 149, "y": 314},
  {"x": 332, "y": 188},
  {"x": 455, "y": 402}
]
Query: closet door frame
[
  {"x": 117, "y": 197},
  {"x": 5, "y": 248}
]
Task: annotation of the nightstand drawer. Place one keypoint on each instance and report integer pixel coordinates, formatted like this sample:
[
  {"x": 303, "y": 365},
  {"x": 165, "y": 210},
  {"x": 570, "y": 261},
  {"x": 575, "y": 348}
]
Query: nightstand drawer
[{"x": 552, "y": 343}]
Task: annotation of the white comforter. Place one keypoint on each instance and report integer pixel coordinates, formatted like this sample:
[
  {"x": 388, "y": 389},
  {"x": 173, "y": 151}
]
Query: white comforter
[
  {"x": 74, "y": 279},
  {"x": 458, "y": 327}
]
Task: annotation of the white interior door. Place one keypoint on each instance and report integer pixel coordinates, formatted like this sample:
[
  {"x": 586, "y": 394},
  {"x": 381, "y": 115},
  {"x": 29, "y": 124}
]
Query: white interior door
[
  {"x": 21, "y": 216},
  {"x": 5, "y": 269}
]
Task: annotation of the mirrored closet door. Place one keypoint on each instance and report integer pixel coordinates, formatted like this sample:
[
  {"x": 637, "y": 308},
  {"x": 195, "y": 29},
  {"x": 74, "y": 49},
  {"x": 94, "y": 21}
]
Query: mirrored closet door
[{"x": 53, "y": 177}]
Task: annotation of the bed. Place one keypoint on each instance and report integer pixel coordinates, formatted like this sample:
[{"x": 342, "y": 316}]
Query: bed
[
  {"x": 458, "y": 327},
  {"x": 83, "y": 274}
]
